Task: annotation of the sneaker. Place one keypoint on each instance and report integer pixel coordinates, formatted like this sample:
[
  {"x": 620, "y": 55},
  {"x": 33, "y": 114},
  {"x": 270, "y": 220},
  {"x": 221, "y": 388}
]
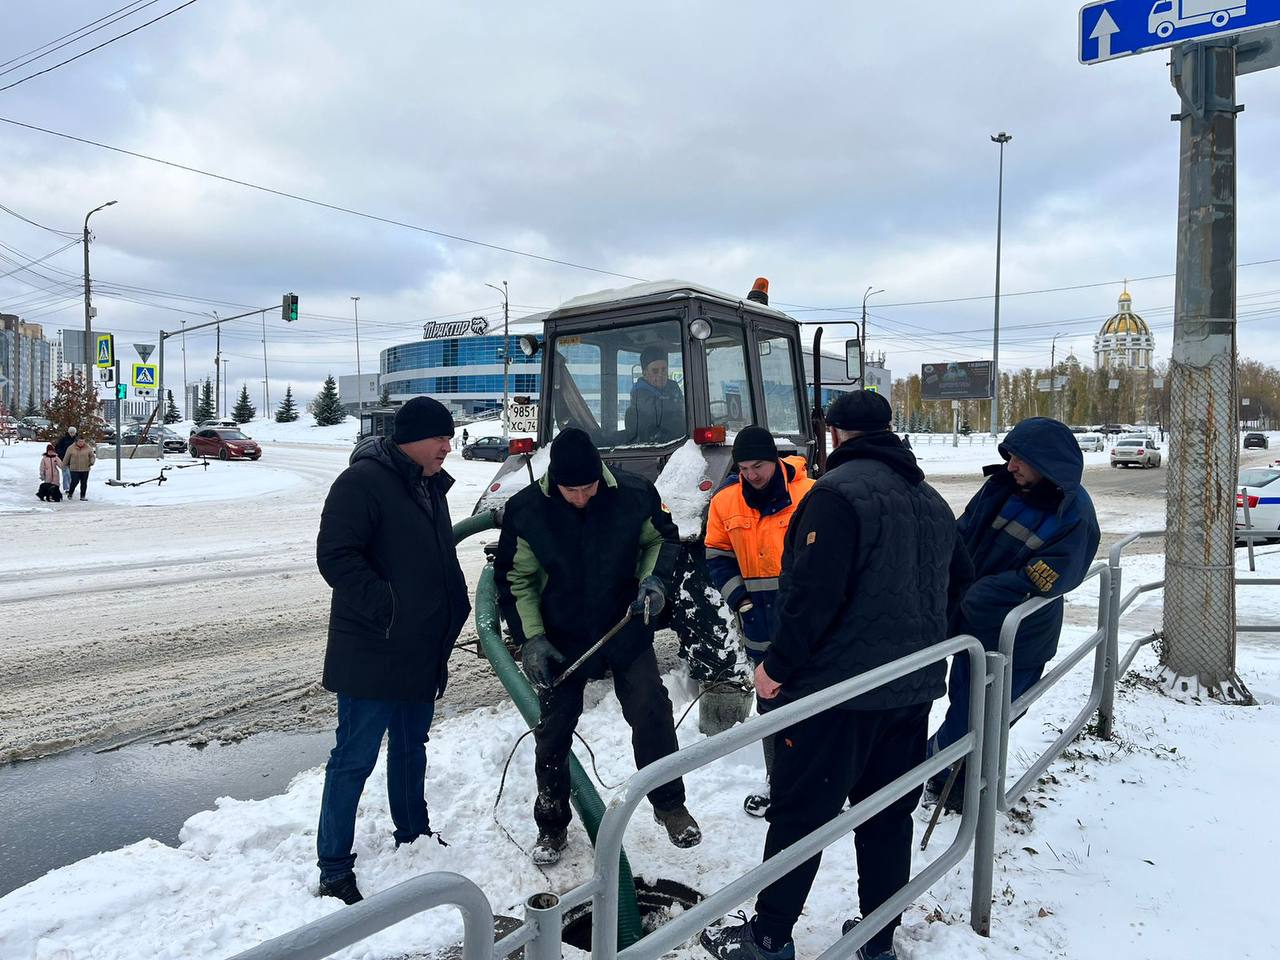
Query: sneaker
[
  {"x": 862, "y": 954},
  {"x": 682, "y": 829},
  {"x": 739, "y": 943},
  {"x": 549, "y": 847},
  {"x": 344, "y": 888},
  {"x": 756, "y": 804}
]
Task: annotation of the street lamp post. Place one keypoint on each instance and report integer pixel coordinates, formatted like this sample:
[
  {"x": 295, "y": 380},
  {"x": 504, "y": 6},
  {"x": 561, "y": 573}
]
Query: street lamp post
[
  {"x": 506, "y": 355},
  {"x": 1053, "y": 376},
  {"x": 88, "y": 311},
  {"x": 869, "y": 293},
  {"x": 355, "y": 302},
  {"x": 1001, "y": 138}
]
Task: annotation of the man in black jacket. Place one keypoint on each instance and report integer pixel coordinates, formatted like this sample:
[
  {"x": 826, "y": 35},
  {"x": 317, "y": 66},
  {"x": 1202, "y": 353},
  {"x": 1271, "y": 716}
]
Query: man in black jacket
[
  {"x": 579, "y": 550},
  {"x": 399, "y": 602},
  {"x": 870, "y": 568},
  {"x": 60, "y": 448}
]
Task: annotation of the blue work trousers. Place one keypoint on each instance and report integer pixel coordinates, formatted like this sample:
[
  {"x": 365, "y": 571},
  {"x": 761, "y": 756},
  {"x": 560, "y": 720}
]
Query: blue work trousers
[
  {"x": 361, "y": 725},
  {"x": 956, "y": 723}
]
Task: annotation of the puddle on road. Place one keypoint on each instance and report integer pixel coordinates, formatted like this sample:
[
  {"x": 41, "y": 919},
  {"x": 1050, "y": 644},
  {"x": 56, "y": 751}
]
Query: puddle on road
[{"x": 64, "y": 808}]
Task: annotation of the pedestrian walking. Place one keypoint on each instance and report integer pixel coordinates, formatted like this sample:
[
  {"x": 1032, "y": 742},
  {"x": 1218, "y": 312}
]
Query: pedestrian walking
[
  {"x": 906, "y": 440},
  {"x": 870, "y": 555},
  {"x": 50, "y": 476},
  {"x": 399, "y": 602},
  {"x": 465, "y": 437},
  {"x": 582, "y": 549},
  {"x": 65, "y": 441},
  {"x": 79, "y": 460},
  {"x": 1032, "y": 532},
  {"x": 746, "y": 525}
]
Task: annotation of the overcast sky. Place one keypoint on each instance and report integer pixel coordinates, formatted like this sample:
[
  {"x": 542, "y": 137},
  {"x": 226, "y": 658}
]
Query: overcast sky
[{"x": 829, "y": 147}]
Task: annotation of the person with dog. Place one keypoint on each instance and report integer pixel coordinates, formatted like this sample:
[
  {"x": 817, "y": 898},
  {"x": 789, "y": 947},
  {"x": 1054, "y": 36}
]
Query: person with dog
[
  {"x": 50, "y": 476},
  {"x": 399, "y": 603},
  {"x": 746, "y": 526},
  {"x": 580, "y": 550},
  {"x": 79, "y": 459}
]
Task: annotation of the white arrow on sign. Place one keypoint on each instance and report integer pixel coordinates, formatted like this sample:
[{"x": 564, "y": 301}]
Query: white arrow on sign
[{"x": 1102, "y": 32}]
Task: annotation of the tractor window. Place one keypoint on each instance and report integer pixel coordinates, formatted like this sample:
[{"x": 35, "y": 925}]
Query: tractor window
[
  {"x": 728, "y": 389},
  {"x": 778, "y": 378},
  {"x": 623, "y": 385}
]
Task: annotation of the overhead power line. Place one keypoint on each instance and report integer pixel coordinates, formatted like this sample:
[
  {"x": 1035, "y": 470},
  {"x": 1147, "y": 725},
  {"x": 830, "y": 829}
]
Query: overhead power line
[
  {"x": 79, "y": 34},
  {"x": 61, "y": 233},
  {"x": 85, "y": 53},
  {"x": 319, "y": 203}
]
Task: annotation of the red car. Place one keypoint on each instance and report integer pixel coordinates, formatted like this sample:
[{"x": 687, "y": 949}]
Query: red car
[{"x": 223, "y": 443}]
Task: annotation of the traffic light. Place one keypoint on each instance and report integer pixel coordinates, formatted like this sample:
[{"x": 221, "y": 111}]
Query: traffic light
[
  {"x": 122, "y": 391},
  {"x": 289, "y": 307}
]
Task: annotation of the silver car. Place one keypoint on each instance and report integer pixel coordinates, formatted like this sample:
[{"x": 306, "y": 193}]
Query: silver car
[{"x": 1135, "y": 452}]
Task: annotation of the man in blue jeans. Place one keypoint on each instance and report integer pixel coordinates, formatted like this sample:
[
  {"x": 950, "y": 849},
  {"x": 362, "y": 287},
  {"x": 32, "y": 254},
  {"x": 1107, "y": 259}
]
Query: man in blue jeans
[
  {"x": 399, "y": 602},
  {"x": 1031, "y": 531}
]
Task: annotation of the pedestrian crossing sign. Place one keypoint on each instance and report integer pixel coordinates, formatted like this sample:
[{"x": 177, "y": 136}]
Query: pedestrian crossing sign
[
  {"x": 144, "y": 374},
  {"x": 106, "y": 351}
]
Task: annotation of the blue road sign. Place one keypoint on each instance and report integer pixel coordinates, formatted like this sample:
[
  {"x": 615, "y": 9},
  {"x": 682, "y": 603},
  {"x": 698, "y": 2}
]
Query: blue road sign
[
  {"x": 1119, "y": 28},
  {"x": 144, "y": 374}
]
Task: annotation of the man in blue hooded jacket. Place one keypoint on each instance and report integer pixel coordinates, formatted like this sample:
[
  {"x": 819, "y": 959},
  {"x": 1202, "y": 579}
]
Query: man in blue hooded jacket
[{"x": 1031, "y": 532}]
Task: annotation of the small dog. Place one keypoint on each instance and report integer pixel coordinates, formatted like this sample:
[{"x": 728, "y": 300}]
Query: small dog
[{"x": 50, "y": 493}]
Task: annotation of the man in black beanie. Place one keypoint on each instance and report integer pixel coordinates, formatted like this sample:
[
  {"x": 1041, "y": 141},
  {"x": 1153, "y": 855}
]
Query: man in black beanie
[
  {"x": 656, "y": 411},
  {"x": 869, "y": 558},
  {"x": 399, "y": 602},
  {"x": 580, "y": 549}
]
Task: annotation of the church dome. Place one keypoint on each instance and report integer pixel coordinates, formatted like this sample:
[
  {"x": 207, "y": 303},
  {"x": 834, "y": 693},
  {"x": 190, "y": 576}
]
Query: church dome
[
  {"x": 1125, "y": 340},
  {"x": 1125, "y": 322}
]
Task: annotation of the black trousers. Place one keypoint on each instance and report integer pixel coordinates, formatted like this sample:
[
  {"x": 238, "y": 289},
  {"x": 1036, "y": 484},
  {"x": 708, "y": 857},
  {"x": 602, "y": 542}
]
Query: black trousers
[
  {"x": 838, "y": 756},
  {"x": 647, "y": 710},
  {"x": 80, "y": 477}
]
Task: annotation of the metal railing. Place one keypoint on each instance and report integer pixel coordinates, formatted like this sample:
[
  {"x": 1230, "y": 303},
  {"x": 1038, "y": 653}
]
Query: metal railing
[{"x": 1100, "y": 693}]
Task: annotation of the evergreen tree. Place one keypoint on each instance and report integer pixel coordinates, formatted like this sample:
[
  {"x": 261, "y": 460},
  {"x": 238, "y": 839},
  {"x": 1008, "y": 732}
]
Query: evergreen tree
[
  {"x": 171, "y": 414},
  {"x": 205, "y": 408},
  {"x": 385, "y": 399},
  {"x": 288, "y": 411},
  {"x": 328, "y": 407},
  {"x": 244, "y": 410},
  {"x": 32, "y": 410}
]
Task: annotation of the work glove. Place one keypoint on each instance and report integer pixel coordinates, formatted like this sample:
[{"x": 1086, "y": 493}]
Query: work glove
[
  {"x": 652, "y": 588},
  {"x": 538, "y": 656}
]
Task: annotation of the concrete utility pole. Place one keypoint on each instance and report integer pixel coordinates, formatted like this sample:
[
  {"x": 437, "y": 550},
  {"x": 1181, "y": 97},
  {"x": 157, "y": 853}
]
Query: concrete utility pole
[
  {"x": 1198, "y": 655},
  {"x": 1001, "y": 138},
  {"x": 867, "y": 293},
  {"x": 88, "y": 309},
  {"x": 506, "y": 357},
  {"x": 355, "y": 303}
]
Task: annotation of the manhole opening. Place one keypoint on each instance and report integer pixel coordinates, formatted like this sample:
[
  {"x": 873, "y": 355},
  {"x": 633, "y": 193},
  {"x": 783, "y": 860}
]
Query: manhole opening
[{"x": 659, "y": 901}]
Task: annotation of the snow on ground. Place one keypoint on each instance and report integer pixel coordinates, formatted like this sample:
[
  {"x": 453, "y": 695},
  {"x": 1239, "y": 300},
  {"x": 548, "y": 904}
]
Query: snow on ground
[{"x": 1105, "y": 857}]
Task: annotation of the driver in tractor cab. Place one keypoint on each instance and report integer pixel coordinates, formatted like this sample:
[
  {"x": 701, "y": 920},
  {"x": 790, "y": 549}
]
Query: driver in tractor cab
[
  {"x": 656, "y": 411},
  {"x": 746, "y": 526}
]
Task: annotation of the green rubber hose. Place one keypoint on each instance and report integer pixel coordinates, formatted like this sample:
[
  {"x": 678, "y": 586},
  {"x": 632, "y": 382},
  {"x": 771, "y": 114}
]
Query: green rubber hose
[{"x": 581, "y": 790}]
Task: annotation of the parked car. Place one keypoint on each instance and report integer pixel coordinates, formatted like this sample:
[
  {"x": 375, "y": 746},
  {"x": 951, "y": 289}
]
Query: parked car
[
  {"x": 31, "y": 428},
  {"x": 1091, "y": 442},
  {"x": 1135, "y": 452},
  {"x": 486, "y": 448},
  {"x": 215, "y": 424},
  {"x": 1261, "y": 485},
  {"x": 173, "y": 443},
  {"x": 1258, "y": 440},
  {"x": 224, "y": 443}
]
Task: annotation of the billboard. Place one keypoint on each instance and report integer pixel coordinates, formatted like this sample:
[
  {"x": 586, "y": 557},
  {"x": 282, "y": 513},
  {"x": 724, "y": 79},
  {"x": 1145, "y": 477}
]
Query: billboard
[{"x": 956, "y": 380}]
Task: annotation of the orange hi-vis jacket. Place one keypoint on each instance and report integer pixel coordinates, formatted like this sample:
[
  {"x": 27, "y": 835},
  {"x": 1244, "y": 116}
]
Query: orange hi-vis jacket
[{"x": 744, "y": 545}]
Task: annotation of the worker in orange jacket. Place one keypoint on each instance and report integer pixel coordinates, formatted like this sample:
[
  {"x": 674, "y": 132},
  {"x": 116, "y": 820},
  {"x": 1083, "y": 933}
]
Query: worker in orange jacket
[{"x": 746, "y": 526}]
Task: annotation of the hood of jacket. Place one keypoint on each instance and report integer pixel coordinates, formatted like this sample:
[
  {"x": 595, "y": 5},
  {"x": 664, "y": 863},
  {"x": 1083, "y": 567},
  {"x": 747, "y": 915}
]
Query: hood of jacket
[
  {"x": 385, "y": 452},
  {"x": 1050, "y": 447},
  {"x": 883, "y": 445}
]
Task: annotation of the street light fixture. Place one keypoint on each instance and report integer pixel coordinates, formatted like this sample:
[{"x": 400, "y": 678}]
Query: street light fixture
[
  {"x": 88, "y": 310},
  {"x": 1001, "y": 138},
  {"x": 506, "y": 355}
]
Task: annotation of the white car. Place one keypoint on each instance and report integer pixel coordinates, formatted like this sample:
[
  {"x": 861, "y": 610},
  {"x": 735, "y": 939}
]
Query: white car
[
  {"x": 1139, "y": 453},
  {"x": 1091, "y": 442},
  {"x": 1262, "y": 487}
]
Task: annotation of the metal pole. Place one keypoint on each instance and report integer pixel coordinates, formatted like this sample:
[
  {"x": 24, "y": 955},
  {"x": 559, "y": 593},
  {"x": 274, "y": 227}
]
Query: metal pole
[
  {"x": 217, "y": 367},
  {"x": 266, "y": 383},
  {"x": 543, "y": 910},
  {"x": 866, "y": 294},
  {"x": 984, "y": 840},
  {"x": 1053, "y": 377},
  {"x": 160, "y": 392},
  {"x": 191, "y": 414},
  {"x": 506, "y": 356},
  {"x": 359, "y": 385},
  {"x": 88, "y": 326},
  {"x": 1248, "y": 525},
  {"x": 119, "y": 404},
  {"x": 1199, "y": 649},
  {"x": 1001, "y": 138}
]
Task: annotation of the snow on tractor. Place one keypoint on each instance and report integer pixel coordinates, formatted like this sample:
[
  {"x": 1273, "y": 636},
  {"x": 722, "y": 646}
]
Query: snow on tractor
[{"x": 662, "y": 376}]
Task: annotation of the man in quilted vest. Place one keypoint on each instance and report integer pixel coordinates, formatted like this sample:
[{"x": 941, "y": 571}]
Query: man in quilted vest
[
  {"x": 746, "y": 525},
  {"x": 870, "y": 568}
]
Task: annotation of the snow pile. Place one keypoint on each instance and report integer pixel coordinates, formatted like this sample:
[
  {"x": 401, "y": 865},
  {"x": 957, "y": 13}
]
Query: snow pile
[
  {"x": 1099, "y": 861},
  {"x": 679, "y": 485}
]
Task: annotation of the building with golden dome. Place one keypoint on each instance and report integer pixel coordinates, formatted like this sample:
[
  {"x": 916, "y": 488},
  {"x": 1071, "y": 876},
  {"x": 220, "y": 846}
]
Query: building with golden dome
[{"x": 1125, "y": 340}]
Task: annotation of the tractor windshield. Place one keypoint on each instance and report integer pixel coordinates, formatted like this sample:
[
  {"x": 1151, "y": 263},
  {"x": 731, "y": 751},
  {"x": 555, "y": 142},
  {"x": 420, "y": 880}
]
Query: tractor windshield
[{"x": 623, "y": 385}]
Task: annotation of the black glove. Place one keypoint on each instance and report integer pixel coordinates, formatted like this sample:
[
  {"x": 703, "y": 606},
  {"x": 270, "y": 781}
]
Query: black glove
[
  {"x": 537, "y": 656},
  {"x": 652, "y": 589}
]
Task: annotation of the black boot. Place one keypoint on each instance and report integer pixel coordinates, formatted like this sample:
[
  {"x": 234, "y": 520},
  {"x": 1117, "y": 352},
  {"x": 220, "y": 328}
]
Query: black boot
[{"x": 344, "y": 888}]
